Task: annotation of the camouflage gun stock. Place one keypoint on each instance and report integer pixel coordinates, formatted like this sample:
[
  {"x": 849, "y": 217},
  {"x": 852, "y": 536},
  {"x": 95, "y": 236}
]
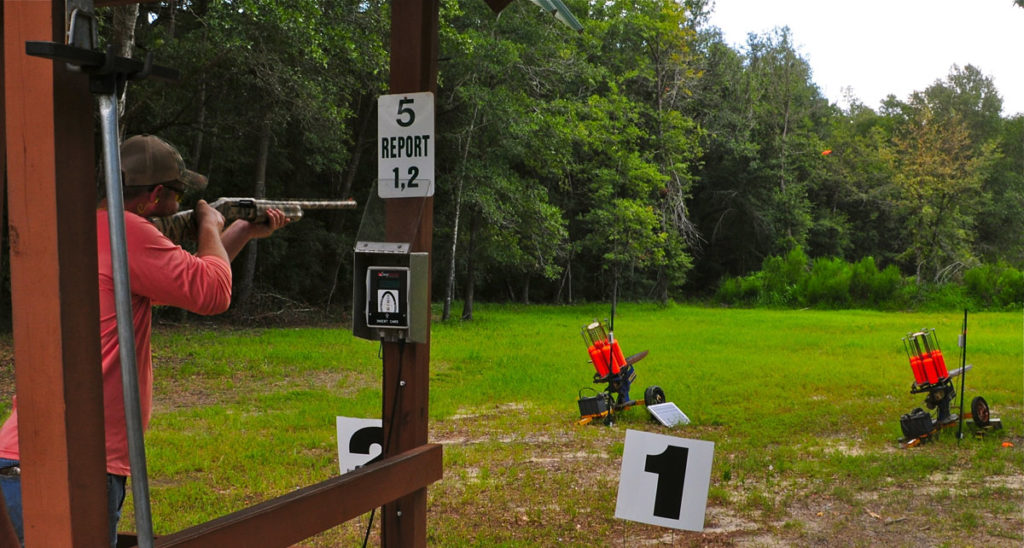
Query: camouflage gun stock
[{"x": 181, "y": 226}]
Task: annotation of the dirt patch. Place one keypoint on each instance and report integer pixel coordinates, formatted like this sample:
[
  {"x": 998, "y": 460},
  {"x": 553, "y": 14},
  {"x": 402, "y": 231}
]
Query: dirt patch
[
  {"x": 847, "y": 449},
  {"x": 532, "y": 486},
  {"x": 510, "y": 478}
]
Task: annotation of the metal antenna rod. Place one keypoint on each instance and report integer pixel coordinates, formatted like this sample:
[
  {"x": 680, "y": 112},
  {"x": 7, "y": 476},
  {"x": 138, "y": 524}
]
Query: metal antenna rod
[{"x": 963, "y": 375}]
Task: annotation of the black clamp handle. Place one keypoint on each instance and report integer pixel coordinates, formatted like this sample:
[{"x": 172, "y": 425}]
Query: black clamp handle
[{"x": 107, "y": 72}]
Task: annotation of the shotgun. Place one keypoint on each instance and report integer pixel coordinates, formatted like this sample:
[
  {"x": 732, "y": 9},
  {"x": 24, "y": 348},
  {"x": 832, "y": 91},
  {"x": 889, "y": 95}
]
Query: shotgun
[{"x": 181, "y": 226}]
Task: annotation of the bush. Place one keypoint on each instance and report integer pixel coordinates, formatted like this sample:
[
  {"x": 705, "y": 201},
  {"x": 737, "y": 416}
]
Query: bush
[
  {"x": 834, "y": 283},
  {"x": 871, "y": 287},
  {"x": 795, "y": 280},
  {"x": 775, "y": 285},
  {"x": 1010, "y": 288},
  {"x": 828, "y": 285},
  {"x": 734, "y": 291},
  {"x": 997, "y": 286},
  {"x": 780, "y": 278},
  {"x": 979, "y": 283},
  {"x": 862, "y": 281},
  {"x": 887, "y": 285},
  {"x": 938, "y": 297}
]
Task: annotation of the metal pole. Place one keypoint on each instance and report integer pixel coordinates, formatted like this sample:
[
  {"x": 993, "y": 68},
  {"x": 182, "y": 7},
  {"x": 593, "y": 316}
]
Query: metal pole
[
  {"x": 125, "y": 329},
  {"x": 615, "y": 298},
  {"x": 963, "y": 376}
]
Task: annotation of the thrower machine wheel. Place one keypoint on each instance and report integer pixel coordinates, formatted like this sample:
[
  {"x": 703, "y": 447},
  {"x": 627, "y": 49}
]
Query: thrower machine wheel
[
  {"x": 979, "y": 411},
  {"x": 654, "y": 395}
]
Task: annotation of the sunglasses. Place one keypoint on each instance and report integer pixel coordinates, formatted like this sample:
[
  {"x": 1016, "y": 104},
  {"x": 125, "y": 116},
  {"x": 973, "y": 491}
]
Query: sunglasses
[{"x": 179, "y": 193}]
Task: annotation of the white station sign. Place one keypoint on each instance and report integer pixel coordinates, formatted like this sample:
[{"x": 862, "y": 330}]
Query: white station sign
[
  {"x": 405, "y": 145},
  {"x": 664, "y": 480},
  {"x": 359, "y": 442}
]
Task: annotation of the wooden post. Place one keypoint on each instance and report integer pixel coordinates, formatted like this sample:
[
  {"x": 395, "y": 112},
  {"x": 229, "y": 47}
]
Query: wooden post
[
  {"x": 414, "y": 45},
  {"x": 51, "y": 203},
  {"x": 7, "y": 535}
]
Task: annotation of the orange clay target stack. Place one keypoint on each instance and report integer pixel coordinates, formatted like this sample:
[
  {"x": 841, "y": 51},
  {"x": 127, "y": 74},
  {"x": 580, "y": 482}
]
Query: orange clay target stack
[{"x": 933, "y": 378}]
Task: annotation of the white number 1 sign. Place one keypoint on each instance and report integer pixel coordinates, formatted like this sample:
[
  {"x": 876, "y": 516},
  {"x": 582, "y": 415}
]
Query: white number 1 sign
[{"x": 664, "y": 480}]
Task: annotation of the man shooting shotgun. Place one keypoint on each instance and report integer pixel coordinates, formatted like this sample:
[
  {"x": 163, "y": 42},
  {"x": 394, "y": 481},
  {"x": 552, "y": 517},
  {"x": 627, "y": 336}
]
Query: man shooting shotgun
[
  {"x": 153, "y": 179},
  {"x": 182, "y": 225}
]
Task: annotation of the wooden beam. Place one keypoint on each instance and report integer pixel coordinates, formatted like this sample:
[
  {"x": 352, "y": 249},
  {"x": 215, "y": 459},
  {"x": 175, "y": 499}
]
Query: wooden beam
[
  {"x": 52, "y": 227},
  {"x": 283, "y": 521}
]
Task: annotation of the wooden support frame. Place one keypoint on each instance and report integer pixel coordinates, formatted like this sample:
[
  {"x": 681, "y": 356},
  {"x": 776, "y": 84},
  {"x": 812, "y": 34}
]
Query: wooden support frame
[
  {"x": 49, "y": 160},
  {"x": 288, "y": 519},
  {"x": 50, "y": 165}
]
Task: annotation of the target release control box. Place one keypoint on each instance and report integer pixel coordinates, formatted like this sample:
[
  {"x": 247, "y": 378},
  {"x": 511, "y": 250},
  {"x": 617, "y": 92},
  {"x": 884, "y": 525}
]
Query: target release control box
[
  {"x": 387, "y": 297},
  {"x": 390, "y": 285}
]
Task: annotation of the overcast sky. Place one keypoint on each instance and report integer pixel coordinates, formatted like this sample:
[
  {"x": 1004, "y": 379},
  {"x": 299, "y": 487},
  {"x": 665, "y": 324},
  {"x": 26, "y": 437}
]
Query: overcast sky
[{"x": 878, "y": 47}]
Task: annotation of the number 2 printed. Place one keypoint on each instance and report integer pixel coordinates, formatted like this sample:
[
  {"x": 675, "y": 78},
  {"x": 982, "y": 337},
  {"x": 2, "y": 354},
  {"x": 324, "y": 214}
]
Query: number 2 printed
[{"x": 411, "y": 183}]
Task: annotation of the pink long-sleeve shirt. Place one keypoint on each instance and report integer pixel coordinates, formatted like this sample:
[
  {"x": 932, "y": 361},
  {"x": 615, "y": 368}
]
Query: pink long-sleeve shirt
[{"x": 160, "y": 272}]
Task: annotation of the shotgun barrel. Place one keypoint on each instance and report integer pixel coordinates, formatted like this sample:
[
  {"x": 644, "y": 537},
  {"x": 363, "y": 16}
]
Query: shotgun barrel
[{"x": 181, "y": 226}]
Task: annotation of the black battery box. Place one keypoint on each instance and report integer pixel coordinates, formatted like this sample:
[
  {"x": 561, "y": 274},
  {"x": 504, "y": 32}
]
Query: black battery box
[{"x": 916, "y": 423}]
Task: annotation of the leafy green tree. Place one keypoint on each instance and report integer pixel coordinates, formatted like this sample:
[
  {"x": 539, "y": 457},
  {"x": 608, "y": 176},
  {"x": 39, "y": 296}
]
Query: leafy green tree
[
  {"x": 492, "y": 94},
  {"x": 618, "y": 229},
  {"x": 564, "y": 137},
  {"x": 644, "y": 152},
  {"x": 971, "y": 96},
  {"x": 856, "y": 215},
  {"x": 645, "y": 160},
  {"x": 1000, "y": 227},
  {"x": 764, "y": 122},
  {"x": 723, "y": 205},
  {"x": 788, "y": 110},
  {"x": 670, "y": 73},
  {"x": 266, "y": 106},
  {"x": 939, "y": 177}
]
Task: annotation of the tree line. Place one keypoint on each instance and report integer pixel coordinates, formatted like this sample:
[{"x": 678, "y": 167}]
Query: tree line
[{"x": 643, "y": 156}]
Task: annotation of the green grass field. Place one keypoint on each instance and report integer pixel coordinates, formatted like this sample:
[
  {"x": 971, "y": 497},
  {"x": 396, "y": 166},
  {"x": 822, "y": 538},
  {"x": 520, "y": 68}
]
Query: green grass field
[{"x": 803, "y": 408}]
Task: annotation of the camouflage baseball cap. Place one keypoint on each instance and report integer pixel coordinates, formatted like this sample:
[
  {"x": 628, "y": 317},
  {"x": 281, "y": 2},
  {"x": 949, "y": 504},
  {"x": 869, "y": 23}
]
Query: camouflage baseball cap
[{"x": 147, "y": 160}]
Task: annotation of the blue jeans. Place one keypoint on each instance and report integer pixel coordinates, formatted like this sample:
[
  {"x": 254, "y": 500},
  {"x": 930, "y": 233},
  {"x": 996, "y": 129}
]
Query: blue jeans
[{"x": 12, "y": 497}]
